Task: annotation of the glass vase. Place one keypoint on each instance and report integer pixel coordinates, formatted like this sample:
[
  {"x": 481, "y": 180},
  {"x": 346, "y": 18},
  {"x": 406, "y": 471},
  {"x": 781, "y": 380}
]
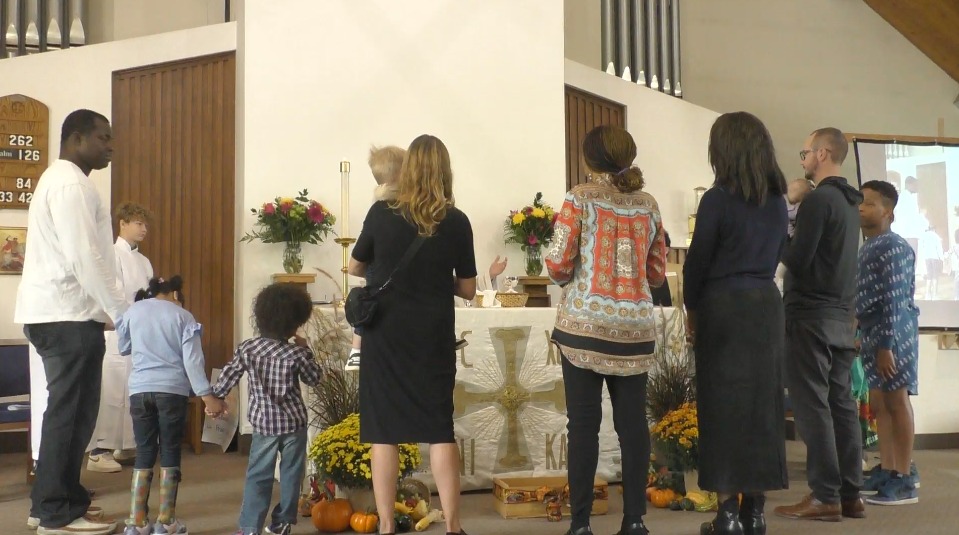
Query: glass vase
[
  {"x": 534, "y": 261},
  {"x": 293, "y": 257}
]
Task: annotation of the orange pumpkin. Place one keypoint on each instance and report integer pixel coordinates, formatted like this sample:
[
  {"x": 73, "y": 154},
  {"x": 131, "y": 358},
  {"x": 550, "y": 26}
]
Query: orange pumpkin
[
  {"x": 364, "y": 522},
  {"x": 661, "y": 498},
  {"x": 332, "y": 516}
]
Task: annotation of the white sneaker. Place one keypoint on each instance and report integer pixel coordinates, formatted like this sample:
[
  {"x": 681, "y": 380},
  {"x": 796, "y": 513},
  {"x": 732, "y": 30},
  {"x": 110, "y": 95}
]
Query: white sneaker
[
  {"x": 352, "y": 363},
  {"x": 133, "y": 530},
  {"x": 94, "y": 513},
  {"x": 103, "y": 463},
  {"x": 124, "y": 455},
  {"x": 176, "y": 528},
  {"x": 80, "y": 526}
]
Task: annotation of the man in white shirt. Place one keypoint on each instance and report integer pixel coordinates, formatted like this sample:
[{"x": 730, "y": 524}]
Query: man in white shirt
[
  {"x": 67, "y": 294},
  {"x": 114, "y": 429}
]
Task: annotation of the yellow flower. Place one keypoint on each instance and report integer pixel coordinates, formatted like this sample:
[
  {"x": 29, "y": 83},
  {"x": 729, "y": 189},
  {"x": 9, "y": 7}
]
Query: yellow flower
[
  {"x": 518, "y": 218},
  {"x": 538, "y": 212},
  {"x": 286, "y": 200}
]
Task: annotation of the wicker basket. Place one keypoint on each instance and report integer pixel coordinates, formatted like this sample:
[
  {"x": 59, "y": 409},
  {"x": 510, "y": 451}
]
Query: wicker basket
[{"x": 507, "y": 300}]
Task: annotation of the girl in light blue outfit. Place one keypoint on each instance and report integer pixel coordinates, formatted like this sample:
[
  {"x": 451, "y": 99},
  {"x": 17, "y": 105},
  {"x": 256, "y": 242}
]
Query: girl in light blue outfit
[{"x": 164, "y": 341}]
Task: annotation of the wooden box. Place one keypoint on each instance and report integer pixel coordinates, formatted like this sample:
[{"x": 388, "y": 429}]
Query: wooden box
[{"x": 516, "y": 497}]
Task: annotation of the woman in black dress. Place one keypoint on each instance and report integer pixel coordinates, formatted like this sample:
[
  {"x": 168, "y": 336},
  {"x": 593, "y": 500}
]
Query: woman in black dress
[
  {"x": 409, "y": 363},
  {"x": 736, "y": 319}
]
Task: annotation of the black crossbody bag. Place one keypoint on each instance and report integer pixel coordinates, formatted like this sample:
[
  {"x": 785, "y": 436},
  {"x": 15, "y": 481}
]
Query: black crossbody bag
[{"x": 361, "y": 303}]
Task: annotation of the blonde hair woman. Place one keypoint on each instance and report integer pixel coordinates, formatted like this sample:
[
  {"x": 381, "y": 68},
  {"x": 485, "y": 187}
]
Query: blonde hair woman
[{"x": 409, "y": 363}]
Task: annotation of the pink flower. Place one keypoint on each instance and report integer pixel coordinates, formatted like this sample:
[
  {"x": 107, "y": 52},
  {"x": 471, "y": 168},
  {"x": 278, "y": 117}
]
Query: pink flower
[
  {"x": 532, "y": 240},
  {"x": 315, "y": 213},
  {"x": 269, "y": 208},
  {"x": 286, "y": 207}
]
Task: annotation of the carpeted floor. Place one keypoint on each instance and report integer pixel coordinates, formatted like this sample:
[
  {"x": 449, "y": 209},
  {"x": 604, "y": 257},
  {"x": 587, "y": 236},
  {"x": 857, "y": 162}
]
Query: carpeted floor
[{"x": 213, "y": 487}]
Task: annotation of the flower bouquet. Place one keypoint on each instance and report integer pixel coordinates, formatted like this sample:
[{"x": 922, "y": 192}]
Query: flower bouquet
[
  {"x": 338, "y": 455},
  {"x": 677, "y": 437},
  {"x": 532, "y": 228},
  {"x": 291, "y": 221}
]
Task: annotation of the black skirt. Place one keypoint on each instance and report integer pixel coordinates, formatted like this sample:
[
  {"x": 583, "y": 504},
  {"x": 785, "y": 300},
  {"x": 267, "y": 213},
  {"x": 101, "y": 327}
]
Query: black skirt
[{"x": 740, "y": 343}]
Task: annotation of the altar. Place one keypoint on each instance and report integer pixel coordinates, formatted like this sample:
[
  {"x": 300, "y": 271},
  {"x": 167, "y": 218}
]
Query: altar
[{"x": 509, "y": 403}]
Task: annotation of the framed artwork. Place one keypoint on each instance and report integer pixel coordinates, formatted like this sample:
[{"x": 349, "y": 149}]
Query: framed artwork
[{"x": 13, "y": 244}]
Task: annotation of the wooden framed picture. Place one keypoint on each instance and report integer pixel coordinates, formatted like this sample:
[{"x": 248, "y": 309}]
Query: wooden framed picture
[{"x": 13, "y": 245}]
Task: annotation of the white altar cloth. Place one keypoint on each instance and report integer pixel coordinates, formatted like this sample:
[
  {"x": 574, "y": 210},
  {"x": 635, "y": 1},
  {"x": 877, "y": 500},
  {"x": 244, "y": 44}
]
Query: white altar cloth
[{"x": 510, "y": 409}]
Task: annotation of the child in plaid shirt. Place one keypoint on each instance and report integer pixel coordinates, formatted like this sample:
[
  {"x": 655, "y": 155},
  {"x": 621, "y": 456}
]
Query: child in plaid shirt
[{"x": 275, "y": 367}]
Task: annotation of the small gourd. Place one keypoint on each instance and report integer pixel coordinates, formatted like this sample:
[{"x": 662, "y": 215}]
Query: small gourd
[
  {"x": 661, "y": 498},
  {"x": 364, "y": 522}
]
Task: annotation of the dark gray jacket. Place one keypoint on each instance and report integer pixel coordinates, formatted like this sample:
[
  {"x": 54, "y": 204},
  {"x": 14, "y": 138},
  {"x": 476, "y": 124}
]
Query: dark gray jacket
[{"x": 821, "y": 258}]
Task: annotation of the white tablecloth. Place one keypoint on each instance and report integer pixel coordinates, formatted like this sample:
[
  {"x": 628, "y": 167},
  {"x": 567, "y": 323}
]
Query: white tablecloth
[{"x": 510, "y": 410}]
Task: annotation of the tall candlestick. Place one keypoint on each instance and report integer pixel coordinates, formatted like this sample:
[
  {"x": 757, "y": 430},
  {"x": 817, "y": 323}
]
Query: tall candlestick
[{"x": 345, "y": 198}]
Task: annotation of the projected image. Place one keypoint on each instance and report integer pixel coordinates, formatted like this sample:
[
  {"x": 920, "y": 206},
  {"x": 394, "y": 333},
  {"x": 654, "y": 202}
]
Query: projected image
[{"x": 927, "y": 215}]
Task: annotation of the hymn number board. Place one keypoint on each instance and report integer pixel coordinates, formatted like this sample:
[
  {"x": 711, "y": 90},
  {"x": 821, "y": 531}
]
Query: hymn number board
[{"x": 24, "y": 148}]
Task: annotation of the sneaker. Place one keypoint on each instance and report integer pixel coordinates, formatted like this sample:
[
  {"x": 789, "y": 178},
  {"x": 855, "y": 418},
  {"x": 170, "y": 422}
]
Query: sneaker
[
  {"x": 81, "y": 526},
  {"x": 461, "y": 343},
  {"x": 103, "y": 462},
  {"x": 281, "y": 528},
  {"x": 897, "y": 490},
  {"x": 133, "y": 530},
  {"x": 875, "y": 481},
  {"x": 122, "y": 456},
  {"x": 176, "y": 528},
  {"x": 94, "y": 513},
  {"x": 352, "y": 363},
  {"x": 914, "y": 474}
]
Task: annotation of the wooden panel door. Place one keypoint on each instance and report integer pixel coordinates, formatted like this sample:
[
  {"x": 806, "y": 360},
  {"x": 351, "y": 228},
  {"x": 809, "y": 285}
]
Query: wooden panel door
[
  {"x": 585, "y": 111},
  {"x": 174, "y": 148}
]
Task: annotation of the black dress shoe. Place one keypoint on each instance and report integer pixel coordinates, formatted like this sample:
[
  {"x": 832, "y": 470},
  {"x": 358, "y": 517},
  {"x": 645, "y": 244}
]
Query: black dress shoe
[
  {"x": 727, "y": 520},
  {"x": 751, "y": 514},
  {"x": 585, "y": 530},
  {"x": 634, "y": 528}
]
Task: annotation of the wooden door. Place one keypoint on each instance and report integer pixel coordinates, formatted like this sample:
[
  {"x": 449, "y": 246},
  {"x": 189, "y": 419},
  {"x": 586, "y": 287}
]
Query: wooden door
[
  {"x": 174, "y": 149},
  {"x": 585, "y": 111}
]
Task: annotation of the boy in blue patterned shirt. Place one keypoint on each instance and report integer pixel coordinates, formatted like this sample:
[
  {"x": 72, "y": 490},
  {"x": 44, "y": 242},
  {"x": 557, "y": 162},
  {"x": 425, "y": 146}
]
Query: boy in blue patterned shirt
[
  {"x": 275, "y": 368},
  {"x": 889, "y": 321}
]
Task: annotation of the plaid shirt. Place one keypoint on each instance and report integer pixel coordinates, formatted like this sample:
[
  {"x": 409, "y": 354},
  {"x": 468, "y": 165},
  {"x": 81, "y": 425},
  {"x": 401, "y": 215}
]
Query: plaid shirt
[{"x": 275, "y": 369}]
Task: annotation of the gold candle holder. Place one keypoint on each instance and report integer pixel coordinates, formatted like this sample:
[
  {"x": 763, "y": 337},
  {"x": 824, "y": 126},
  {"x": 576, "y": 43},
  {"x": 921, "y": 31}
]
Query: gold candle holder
[{"x": 345, "y": 244}]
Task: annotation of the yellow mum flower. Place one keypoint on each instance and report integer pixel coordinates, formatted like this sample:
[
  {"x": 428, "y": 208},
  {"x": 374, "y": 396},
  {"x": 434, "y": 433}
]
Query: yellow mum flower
[
  {"x": 518, "y": 218},
  {"x": 538, "y": 212}
]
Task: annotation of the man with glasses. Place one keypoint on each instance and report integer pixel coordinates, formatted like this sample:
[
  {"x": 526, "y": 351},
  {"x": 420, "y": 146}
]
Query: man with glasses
[{"x": 820, "y": 286}]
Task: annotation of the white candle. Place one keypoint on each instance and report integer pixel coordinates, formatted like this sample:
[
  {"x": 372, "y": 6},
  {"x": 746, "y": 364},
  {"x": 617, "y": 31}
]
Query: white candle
[{"x": 344, "y": 198}]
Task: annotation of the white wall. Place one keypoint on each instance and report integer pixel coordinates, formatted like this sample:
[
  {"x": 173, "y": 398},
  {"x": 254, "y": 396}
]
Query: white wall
[
  {"x": 82, "y": 78},
  {"x": 583, "y": 34},
  {"x": 485, "y": 77},
  {"x": 798, "y": 66},
  {"x": 803, "y": 65},
  {"x": 115, "y": 20},
  {"x": 671, "y": 137},
  {"x": 935, "y": 405}
]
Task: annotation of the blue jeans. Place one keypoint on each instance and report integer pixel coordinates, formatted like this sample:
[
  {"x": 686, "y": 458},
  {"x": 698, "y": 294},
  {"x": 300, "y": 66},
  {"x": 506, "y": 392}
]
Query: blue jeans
[
  {"x": 259, "y": 480},
  {"x": 158, "y": 423}
]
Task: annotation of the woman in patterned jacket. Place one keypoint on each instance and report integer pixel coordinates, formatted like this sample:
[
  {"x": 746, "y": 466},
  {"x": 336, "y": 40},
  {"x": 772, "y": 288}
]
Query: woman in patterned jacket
[{"x": 608, "y": 249}]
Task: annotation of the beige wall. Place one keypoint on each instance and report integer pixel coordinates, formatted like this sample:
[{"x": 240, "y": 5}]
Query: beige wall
[
  {"x": 113, "y": 20},
  {"x": 798, "y": 66},
  {"x": 803, "y": 65},
  {"x": 582, "y": 23}
]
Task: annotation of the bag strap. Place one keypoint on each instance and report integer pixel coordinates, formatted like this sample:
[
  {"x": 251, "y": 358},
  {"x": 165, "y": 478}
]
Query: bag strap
[{"x": 407, "y": 256}]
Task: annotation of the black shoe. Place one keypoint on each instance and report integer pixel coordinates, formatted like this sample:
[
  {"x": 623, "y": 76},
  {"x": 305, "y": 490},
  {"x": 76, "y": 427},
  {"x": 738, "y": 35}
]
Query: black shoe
[
  {"x": 727, "y": 520},
  {"x": 585, "y": 530},
  {"x": 751, "y": 514},
  {"x": 634, "y": 528}
]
